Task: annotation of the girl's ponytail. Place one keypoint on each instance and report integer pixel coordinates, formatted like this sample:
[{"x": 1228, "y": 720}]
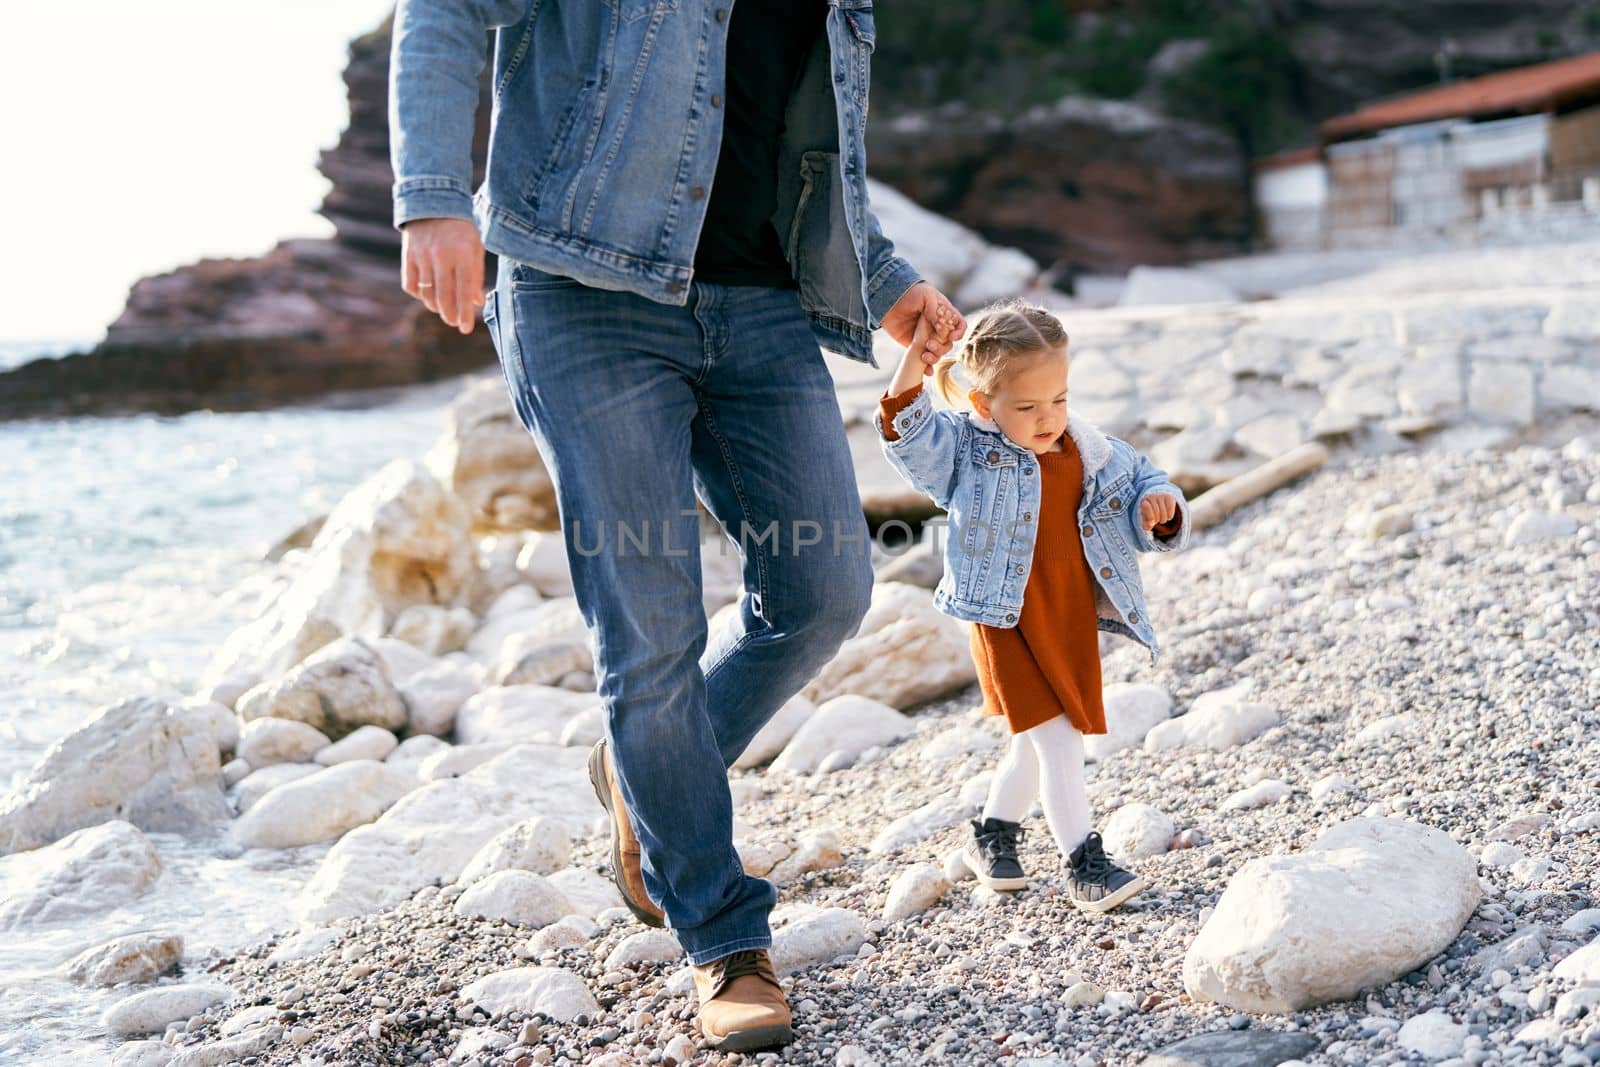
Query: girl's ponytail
[{"x": 944, "y": 381}]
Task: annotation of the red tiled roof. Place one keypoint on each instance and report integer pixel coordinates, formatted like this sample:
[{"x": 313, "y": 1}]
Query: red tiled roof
[
  {"x": 1524, "y": 91},
  {"x": 1291, "y": 158}
]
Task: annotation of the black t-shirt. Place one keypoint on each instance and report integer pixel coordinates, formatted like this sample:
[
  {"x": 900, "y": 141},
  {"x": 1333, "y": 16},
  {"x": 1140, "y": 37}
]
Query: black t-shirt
[{"x": 768, "y": 41}]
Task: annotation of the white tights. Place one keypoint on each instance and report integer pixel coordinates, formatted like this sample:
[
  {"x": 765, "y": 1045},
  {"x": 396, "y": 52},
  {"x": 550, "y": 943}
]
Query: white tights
[{"x": 1045, "y": 762}]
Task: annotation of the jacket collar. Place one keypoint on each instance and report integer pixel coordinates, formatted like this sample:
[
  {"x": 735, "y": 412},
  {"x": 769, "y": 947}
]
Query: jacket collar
[{"x": 1092, "y": 444}]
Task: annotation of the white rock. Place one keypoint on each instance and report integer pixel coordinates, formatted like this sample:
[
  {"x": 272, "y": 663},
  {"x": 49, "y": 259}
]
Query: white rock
[
  {"x": 525, "y": 659},
  {"x": 149, "y": 1012},
  {"x": 411, "y": 752},
  {"x": 322, "y": 806},
  {"x": 1531, "y": 527},
  {"x": 1081, "y": 994},
  {"x": 520, "y": 713},
  {"x": 817, "y": 938},
  {"x": 958, "y": 741},
  {"x": 1581, "y": 922},
  {"x": 1132, "y": 710},
  {"x": 431, "y": 834},
  {"x": 920, "y": 824},
  {"x": 846, "y": 723},
  {"x": 1370, "y": 900},
  {"x": 589, "y": 893},
  {"x": 1403, "y": 725},
  {"x": 1583, "y": 966},
  {"x": 457, "y": 760},
  {"x": 1148, "y": 286},
  {"x": 489, "y": 461},
  {"x": 1500, "y": 854},
  {"x": 1540, "y": 1031},
  {"x": 570, "y": 931},
  {"x": 143, "y": 1054},
  {"x": 304, "y": 945},
  {"x": 1331, "y": 785},
  {"x": 956, "y": 259},
  {"x": 395, "y": 540},
  {"x": 365, "y": 743},
  {"x": 1432, "y": 1034},
  {"x": 646, "y": 946},
  {"x": 336, "y": 689},
  {"x": 252, "y": 787},
  {"x": 1502, "y": 390},
  {"x": 478, "y": 1044},
  {"x": 905, "y": 652},
  {"x": 264, "y": 742},
  {"x": 680, "y": 1050},
  {"x": 816, "y": 850},
  {"x": 539, "y": 845},
  {"x": 433, "y": 696},
  {"x": 1216, "y": 726},
  {"x": 1576, "y": 1003},
  {"x": 778, "y": 732},
  {"x": 131, "y": 958},
  {"x": 235, "y": 771},
  {"x": 90, "y": 871},
  {"x": 139, "y": 761},
  {"x": 521, "y": 898},
  {"x": 1272, "y": 435},
  {"x": 557, "y": 993},
  {"x": 543, "y": 563},
  {"x": 1271, "y": 791},
  {"x": 434, "y": 629},
  {"x": 558, "y": 621},
  {"x": 1137, "y": 831},
  {"x": 1265, "y": 600},
  {"x": 584, "y": 728},
  {"x": 916, "y": 889}
]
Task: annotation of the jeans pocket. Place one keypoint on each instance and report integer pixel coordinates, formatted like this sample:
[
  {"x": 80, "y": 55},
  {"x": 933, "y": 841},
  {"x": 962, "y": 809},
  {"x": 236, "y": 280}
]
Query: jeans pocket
[{"x": 530, "y": 279}]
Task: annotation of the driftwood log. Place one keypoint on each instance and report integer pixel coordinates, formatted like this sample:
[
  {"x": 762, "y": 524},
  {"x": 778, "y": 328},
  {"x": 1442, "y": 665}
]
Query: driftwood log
[{"x": 1220, "y": 501}]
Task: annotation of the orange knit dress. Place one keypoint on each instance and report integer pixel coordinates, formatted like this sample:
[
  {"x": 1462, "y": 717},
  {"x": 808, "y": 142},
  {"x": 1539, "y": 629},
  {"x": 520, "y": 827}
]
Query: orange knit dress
[{"x": 1049, "y": 663}]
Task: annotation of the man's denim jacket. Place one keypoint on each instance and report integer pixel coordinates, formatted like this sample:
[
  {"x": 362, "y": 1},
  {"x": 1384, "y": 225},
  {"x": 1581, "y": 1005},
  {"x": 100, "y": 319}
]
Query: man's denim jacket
[
  {"x": 604, "y": 136},
  {"x": 989, "y": 485}
]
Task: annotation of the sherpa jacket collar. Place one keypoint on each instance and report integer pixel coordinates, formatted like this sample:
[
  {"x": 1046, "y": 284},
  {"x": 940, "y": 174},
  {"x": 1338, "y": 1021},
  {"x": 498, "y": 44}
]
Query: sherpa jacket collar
[{"x": 1092, "y": 444}]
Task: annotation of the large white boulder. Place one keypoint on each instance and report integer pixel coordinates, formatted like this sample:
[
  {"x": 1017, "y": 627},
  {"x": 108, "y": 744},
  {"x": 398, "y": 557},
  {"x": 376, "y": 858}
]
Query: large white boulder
[
  {"x": 589, "y": 893},
  {"x": 1214, "y": 725},
  {"x": 921, "y": 823},
  {"x": 337, "y": 689},
  {"x": 1137, "y": 832},
  {"x": 1370, "y": 900},
  {"x": 366, "y": 742},
  {"x": 141, "y": 761},
  {"x": 778, "y": 732},
  {"x": 1132, "y": 710},
  {"x": 149, "y": 1012},
  {"x": 537, "y": 713},
  {"x": 397, "y": 539},
  {"x": 322, "y": 806},
  {"x": 434, "y": 695},
  {"x": 89, "y": 872},
  {"x": 905, "y": 652},
  {"x": 266, "y": 742},
  {"x": 916, "y": 889},
  {"x": 521, "y": 898},
  {"x": 957, "y": 260},
  {"x": 815, "y": 937},
  {"x": 131, "y": 958},
  {"x": 540, "y": 845},
  {"x": 850, "y": 724},
  {"x": 258, "y": 784},
  {"x": 431, "y": 834},
  {"x": 490, "y": 461},
  {"x": 557, "y": 993}
]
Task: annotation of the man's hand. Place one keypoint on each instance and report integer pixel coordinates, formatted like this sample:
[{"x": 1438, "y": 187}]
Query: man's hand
[
  {"x": 1156, "y": 509},
  {"x": 924, "y": 316},
  {"x": 441, "y": 264}
]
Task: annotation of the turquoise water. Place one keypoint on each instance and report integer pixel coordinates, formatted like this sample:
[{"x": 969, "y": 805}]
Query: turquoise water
[{"x": 127, "y": 546}]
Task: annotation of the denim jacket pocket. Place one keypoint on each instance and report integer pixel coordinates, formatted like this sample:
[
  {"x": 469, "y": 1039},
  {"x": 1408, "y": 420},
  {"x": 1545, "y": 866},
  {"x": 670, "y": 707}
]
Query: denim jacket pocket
[
  {"x": 1115, "y": 499},
  {"x": 632, "y": 10},
  {"x": 818, "y": 244},
  {"x": 562, "y": 143}
]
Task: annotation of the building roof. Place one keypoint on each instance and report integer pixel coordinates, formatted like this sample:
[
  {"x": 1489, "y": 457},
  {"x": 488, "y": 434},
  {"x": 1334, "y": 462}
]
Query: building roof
[
  {"x": 1524, "y": 91},
  {"x": 1294, "y": 157}
]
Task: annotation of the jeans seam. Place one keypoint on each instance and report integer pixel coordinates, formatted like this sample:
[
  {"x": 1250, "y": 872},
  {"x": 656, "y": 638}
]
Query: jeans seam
[{"x": 737, "y": 484}]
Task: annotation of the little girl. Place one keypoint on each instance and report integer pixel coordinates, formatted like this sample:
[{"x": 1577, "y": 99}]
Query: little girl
[{"x": 1045, "y": 513}]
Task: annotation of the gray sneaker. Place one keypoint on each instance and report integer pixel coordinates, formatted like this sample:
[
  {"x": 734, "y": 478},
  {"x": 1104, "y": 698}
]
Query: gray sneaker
[
  {"x": 991, "y": 855},
  {"x": 1095, "y": 883}
]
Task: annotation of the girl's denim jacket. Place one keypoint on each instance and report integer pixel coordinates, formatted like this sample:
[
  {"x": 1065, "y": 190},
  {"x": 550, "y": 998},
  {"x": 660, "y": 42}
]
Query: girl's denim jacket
[{"x": 989, "y": 485}]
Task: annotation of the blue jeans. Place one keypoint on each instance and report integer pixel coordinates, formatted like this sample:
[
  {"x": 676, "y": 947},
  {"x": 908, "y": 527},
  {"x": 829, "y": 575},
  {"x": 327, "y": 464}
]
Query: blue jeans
[{"x": 636, "y": 407}]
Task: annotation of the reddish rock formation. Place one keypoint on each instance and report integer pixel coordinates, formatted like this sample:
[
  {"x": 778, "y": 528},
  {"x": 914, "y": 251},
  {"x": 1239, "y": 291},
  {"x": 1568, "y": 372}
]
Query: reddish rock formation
[
  {"x": 307, "y": 318},
  {"x": 1085, "y": 185}
]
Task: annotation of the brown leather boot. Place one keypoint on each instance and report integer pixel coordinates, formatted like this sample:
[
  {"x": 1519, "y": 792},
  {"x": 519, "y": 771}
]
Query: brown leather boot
[
  {"x": 741, "y": 1003},
  {"x": 625, "y": 870}
]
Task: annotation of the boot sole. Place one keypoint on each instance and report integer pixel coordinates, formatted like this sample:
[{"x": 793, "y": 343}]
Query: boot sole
[
  {"x": 1121, "y": 896},
  {"x": 999, "y": 885},
  {"x": 750, "y": 1040},
  {"x": 602, "y": 792}
]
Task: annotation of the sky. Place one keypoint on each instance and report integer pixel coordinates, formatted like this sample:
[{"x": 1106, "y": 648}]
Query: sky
[{"x": 140, "y": 136}]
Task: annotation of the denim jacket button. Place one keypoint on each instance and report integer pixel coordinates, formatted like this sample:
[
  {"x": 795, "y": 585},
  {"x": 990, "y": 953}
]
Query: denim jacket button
[
  {"x": 716, "y": 99},
  {"x": 1020, "y": 568},
  {"x": 1133, "y": 617},
  {"x": 674, "y": 287},
  {"x": 1116, "y": 505},
  {"x": 1010, "y": 617},
  {"x": 1088, "y": 531},
  {"x": 1105, "y": 572},
  {"x": 1027, "y": 470},
  {"x": 1027, "y": 516},
  {"x": 722, "y": 14},
  {"x": 697, "y": 192},
  {"x": 993, "y": 455}
]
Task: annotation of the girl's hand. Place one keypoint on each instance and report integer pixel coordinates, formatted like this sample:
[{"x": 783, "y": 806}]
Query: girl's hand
[{"x": 1156, "y": 509}]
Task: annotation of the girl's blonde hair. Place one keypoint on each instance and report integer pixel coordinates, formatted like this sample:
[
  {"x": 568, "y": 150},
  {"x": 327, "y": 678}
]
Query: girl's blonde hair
[{"x": 1002, "y": 334}]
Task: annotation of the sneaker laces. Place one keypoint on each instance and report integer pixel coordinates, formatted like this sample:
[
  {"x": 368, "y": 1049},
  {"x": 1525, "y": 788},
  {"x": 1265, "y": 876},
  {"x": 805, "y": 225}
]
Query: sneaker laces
[
  {"x": 1003, "y": 839},
  {"x": 1093, "y": 861}
]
